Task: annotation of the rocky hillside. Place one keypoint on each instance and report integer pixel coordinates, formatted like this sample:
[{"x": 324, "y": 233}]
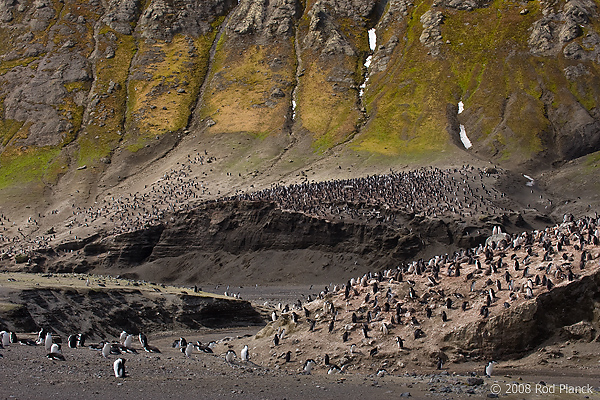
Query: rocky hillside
[
  {"x": 93, "y": 93},
  {"x": 101, "y": 307}
]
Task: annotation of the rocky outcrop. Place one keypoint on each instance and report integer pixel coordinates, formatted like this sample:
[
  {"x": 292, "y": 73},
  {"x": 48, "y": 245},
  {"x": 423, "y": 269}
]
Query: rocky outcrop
[
  {"x": 121, "y": 15},
  {"x": 267, "y": 19},
  {"x": 102, "y": 314},
  {"x": 431, "y": 37},
  {"x": 555, "y": 29},
  {"x": 570, "y": 310},
  {"x": 324, "y": 33},
  {"x": 161, "y": 20}
]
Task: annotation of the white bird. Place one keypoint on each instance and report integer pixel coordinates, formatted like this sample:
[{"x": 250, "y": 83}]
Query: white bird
[
  {"x": 128, "y": 341},
  {"x": 244, "y": 354},
  {"x": 489, "y": 368},
  {"x": 48, "y": 342},
  {"x": 188, "y": 349},
  {"x": 119, "y": 368},
  {"x": 229, "y": 356},
  {"x": 106, "y": 350}
]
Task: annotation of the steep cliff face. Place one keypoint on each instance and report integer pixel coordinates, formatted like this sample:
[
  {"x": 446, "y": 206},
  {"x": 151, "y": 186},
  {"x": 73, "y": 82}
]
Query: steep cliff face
[
  {"x": 520, "y": 330},
  {"x": 87, "y": 85},
  {"x": 236, "y": 242}
]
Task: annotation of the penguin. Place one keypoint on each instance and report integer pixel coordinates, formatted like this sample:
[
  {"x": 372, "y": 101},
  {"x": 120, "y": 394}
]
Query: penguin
[
  {"x": 230, "y": 356},
  {"x": 128, "y": 342},
  {"x": 5, "y": 338},
  {"x": 384, "y": 328},
  {"x": 13, "y": 337},
  {"x": 204, "y": 348},
  {"x": 308, "y": 365},
  {"x": 81, "y": 340},
  {"x": 122, "y": 337},
  {"x": 373, "y": 351},
  {"x": 72, "y": 341},
  {"x": 440, "y": 364},
  {"x": 334, "y": 369},
  {"x": 106, "y": 349},
  {"x": 151, "y": 349},
  {"x": 345, "y": 336},
  {"x": 143, "y": 340},
  {"x": 188, "y": 350},
  {"x": 489, "y": 369},
  {"x": 331, "y": 325},
  {"x": 55, "y": 348},
  {"x": 365, "y": 330},
  {"x": 48, "y": 341},
  {"x": 41, "y": 336},
  {"x": 276, "y": 340},
  {"x": 400, "y": 342},
  {"x": 244, "y": 354},
  {"x": 444, "y": 316},
  {"x": 119, "y": 368},
  {"x": 288, "y": 356},
  {"x": 55, "y": 356},
  {"x": 55, "y": 353}
]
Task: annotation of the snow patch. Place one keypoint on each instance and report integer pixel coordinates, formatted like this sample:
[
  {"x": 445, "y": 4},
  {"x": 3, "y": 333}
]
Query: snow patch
[
  {"x": 463, "y": 137},
  {"x": 293, "y": 109},
  {"x": 461, "y": 107},
  {"x": 530, "y": 179},
  {"x": 372, "y": 39}
]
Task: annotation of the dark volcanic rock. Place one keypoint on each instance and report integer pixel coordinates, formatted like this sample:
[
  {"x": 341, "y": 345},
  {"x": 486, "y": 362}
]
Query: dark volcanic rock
[
  {"x": 163, "y": 19},
  {"x": 266, "y": 18},
  {"x": 103, "y": 314}
]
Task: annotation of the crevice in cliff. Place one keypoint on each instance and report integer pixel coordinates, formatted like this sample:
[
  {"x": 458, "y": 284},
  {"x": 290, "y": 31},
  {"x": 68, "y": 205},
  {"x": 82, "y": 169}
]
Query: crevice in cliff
[
  {"x": 211, "y": 60},
  {"x": 299, "y": 73}
]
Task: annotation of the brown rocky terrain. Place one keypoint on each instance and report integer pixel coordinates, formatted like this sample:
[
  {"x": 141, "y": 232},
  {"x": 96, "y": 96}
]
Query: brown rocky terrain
[
  {"x": 538, "y": 331},
  {"x": 274, "y": 148}
]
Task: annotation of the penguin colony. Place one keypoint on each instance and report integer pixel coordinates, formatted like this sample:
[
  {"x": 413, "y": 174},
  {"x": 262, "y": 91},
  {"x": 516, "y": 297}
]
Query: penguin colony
[
  {"x": 384, "y": 319},
  {"x": 461, "y": 192}
]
